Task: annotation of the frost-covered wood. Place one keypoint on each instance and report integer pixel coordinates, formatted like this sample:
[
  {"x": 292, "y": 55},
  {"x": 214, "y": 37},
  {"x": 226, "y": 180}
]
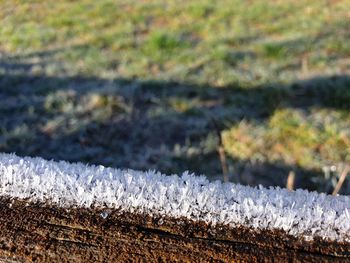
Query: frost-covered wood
[
  {"x": 56, "y": 211},
  {"x": 46, "y": 233}
]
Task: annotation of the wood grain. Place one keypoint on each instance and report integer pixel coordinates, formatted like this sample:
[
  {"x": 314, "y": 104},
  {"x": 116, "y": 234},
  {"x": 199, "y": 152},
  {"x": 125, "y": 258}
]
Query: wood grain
[{"x": 32, "y": 232}]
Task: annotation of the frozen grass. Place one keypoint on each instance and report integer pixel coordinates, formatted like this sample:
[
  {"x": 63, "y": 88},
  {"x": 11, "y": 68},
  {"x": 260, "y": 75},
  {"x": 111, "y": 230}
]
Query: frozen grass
[{"x": 136, "y": 84}]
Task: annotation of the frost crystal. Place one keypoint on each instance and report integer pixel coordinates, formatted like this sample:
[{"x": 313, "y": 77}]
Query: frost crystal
[
  {"x": 299, "y": 213},
  {"x": 104, "y": 214}
]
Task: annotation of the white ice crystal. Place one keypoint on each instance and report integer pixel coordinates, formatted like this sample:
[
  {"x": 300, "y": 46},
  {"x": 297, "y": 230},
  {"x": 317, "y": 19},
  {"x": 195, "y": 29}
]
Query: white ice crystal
[{"x": 299, "y": 213}]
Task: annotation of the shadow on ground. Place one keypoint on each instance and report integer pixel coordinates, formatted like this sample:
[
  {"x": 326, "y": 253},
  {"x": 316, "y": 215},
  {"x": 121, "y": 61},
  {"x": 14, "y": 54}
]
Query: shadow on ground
[{"x": 139, "y": 124}]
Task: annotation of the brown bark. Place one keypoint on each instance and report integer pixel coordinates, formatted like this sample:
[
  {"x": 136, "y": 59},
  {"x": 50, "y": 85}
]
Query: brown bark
[{"x": 47, "y": 233}]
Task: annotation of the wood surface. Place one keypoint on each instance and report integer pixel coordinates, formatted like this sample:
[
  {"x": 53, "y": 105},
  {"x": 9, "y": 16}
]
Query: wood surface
[{"x": 42, "y": 232}]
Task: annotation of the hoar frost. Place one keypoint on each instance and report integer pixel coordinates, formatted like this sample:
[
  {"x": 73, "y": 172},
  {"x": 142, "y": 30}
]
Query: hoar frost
[{"x": 298, "y": 213}]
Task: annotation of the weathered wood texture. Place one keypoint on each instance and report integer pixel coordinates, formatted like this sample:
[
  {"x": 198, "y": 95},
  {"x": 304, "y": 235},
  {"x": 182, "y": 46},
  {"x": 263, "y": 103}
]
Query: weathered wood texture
[{"x": 45, "y": 233}]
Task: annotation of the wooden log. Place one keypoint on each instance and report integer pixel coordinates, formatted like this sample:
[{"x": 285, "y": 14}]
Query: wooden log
[
  {"x": 60, "y": 212},
  {"x": 39, "y": 232}
]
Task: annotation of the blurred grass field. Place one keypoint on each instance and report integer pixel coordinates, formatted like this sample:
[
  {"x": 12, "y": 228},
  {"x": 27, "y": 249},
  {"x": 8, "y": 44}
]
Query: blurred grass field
[{"x": 146, "y": 84}]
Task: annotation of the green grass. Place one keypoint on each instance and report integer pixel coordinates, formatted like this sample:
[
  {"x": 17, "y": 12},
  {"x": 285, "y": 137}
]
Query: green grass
[{"x": 146, "y": 84}]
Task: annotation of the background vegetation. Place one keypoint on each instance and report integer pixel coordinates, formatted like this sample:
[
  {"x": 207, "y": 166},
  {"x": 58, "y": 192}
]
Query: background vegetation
[{"x": 151, "y": 85}]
